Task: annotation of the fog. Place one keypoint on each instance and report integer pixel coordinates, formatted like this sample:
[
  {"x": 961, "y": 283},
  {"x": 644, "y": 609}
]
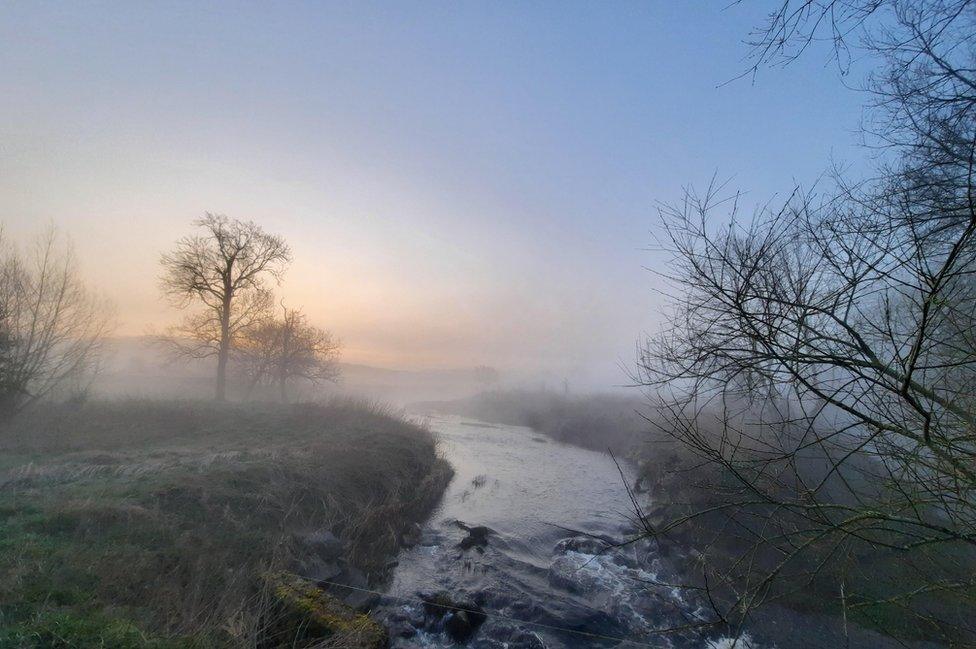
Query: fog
[
  {"x": 137, "y": 367},
  {"x": 498, "y": 325},
  {"x": 469, "y": 186}
]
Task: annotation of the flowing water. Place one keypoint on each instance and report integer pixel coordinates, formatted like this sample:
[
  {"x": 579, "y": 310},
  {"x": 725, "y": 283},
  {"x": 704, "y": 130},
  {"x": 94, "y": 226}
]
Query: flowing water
[
  {"x": 544, "y": 575},
  {"x": 527, "y": 533}
]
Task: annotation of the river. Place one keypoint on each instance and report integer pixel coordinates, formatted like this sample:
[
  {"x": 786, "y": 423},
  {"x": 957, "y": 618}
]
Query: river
[
  {"x": 544, "y": 575},
  {"x": 524, "y": 546}
]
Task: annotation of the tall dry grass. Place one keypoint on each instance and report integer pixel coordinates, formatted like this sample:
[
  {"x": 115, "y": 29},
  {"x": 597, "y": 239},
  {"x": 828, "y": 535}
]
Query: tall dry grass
[{"x": 167, "y": 513}]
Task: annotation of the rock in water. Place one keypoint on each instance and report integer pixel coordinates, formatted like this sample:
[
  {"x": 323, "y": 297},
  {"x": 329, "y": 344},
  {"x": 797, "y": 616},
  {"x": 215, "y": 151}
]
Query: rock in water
[
  {"x": 461, "y": 616},
  {"x": 411, "y": 536},
  {"x": 302, "y": 611},
  {"x": 477, "y": 536},
  {"x": 353, "y": 589},
  {"x": 585, "y": 544}
]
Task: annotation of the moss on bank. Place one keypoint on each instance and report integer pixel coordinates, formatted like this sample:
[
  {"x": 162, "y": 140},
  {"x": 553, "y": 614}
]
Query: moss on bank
[
  {"x": 147, "y": 524},
  {"x": 299, "y": 606}
]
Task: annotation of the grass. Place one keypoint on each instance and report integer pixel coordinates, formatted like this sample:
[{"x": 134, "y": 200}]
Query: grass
[
  {"x": 149, "y": 524},
  {"x": 745, "y": 543}
]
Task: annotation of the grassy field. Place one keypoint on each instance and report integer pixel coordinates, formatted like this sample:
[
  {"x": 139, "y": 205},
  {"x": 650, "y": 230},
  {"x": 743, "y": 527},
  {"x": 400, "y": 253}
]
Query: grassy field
[{"x": 155, "y": 524}]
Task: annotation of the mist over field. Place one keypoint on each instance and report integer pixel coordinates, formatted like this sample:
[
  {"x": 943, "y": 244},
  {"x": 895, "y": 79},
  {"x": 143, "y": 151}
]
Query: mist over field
[
  {"x": 492, "y": 325},
  {"x": 136, "y": 367}
]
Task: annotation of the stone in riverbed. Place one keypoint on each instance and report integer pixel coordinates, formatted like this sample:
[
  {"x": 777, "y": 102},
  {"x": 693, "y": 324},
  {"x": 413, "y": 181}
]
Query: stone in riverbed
[
  {"x": 461, "y": 616},
  {"x": 411, "y": 536},
  {"x": 401, "y": 629},
  {"x": 477, "y": 536}
]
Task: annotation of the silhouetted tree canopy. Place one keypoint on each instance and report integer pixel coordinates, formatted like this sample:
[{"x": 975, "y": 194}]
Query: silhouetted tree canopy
[
  {"x": 820, "y": 365},
  {"x": 279, "y": 350},
  {"x": 51, "y": 324},
  {"x": 223, "y": 272}
]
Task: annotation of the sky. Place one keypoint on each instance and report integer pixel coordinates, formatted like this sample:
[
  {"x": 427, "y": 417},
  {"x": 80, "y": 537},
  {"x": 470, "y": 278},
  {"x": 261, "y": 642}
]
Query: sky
[{"x": 461, "y": 183}]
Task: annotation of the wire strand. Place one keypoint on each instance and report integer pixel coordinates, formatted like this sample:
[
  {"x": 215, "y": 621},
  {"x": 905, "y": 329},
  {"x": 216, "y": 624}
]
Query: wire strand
[{"x": 551, "y": 627}]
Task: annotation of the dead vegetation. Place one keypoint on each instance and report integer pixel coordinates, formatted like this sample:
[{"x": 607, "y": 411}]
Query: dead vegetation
[{"x": 151, "y": 524}]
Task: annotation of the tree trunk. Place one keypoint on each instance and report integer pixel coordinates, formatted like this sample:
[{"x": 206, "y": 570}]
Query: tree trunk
[
  {"x": 221, "y": 392},
  {"x": 285, "y": 352},
  {"x": 223, "y": 352}
]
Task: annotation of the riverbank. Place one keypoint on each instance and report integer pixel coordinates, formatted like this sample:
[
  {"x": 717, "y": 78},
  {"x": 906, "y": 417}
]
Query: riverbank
[
  {"x": 169, "y": 524},
  {"x": 672, "y": 484}
]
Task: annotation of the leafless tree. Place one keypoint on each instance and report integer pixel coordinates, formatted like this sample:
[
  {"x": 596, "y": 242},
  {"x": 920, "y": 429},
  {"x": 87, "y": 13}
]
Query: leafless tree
[
  {"x": 280, "y": 350},
  {"x": 820, "y": 369},
  {"x": 793, "y": 25},
  {"x": 485, "y": 376},
  {"x": 223, "y": 271},
  {"x": 52, "y": 326}
]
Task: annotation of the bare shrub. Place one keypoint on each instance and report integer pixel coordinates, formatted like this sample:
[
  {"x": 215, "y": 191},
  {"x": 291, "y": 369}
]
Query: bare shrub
[
  {"x": 278, "y": 351},
  {"x": 51, "y": 324},
  {"x": 170, "y": 513}
]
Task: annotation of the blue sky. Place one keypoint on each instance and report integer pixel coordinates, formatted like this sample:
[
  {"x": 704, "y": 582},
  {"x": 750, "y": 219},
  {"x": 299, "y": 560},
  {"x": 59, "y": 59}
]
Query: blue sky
[{"x": 462, "y": 182}]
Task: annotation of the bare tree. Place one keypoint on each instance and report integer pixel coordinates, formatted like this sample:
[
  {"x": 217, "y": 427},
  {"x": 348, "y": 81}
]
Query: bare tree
[
  {"x": 51, "y": 325},
  {"x": 820, "y": 368},
  {"x": 485, "y": 376},
  {"x": 10, "y": 281},
  {"x": 280, "y": 350},
  {"x": 793, "y": 25},
  {"x": 223, "y": 271}
]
